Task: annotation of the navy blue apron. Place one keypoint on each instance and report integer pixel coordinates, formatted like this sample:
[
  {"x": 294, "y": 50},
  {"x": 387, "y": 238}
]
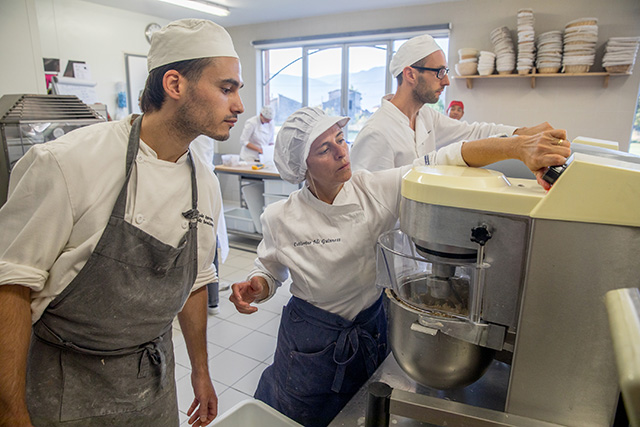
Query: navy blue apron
[
  {"x": 101, "y": 354},
  {"x": 322, "y": 360}
]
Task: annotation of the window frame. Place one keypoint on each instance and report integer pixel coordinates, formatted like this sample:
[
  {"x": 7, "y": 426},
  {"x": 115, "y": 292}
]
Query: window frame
[{"x": 343, "y": 41}]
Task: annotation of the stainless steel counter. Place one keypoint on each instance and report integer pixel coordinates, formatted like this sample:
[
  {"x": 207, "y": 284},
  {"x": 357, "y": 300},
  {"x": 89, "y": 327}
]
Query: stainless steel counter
[{"x": 488, "y": 392}]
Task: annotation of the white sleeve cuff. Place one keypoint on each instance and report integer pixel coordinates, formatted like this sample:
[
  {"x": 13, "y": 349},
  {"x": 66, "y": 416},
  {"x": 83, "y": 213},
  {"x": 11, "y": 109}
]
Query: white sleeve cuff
[
  {"x": 509, "y": 130},
  {"x": 449, "y": 155},
  {"x": 204, "y": 277},
  {"x": 18, "y": 274},
  {"x": 271, "y": 282}
]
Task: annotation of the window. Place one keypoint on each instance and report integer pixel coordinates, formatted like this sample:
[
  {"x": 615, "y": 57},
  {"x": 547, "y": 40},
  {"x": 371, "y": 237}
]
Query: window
[
  {"x": 634, "y": 144},
  {"x": 366, "y": 84},
  {"x": 324, "y": 79},
  {"x": 344, "y": 74},
  {"x": 282, "y": 81}
]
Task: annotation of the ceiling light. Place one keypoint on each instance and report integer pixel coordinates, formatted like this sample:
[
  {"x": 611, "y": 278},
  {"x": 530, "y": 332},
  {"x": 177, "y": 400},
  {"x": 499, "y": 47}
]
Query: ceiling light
[{"x": 202, "y": 6}]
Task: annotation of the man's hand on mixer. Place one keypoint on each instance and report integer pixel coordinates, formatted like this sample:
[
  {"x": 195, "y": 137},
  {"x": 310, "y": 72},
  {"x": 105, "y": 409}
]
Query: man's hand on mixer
[
  {"x": 548, "y": 148},
  {"x": 533, "y": 130}
]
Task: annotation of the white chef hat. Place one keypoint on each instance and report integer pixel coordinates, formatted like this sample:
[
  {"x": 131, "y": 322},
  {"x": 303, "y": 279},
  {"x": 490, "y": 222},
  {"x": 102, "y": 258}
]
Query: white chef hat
[
  {"x": 412, "y": 51},
  {"x": 294, "y": 140},
  {"x": 189, "y": 39},
  {"x": 267, "y": 112}
]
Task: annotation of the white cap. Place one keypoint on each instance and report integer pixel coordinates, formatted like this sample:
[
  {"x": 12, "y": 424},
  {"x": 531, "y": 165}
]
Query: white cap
[
  {"x": 267, "y": 112},
  {"x": 294, "y": 140},
  {"x": 189, "y": 39},
  {"x": 412, "y": 51}
]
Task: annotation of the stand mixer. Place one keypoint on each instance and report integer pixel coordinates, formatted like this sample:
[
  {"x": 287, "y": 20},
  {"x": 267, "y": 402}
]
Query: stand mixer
[{"x": 486, "y": 267}]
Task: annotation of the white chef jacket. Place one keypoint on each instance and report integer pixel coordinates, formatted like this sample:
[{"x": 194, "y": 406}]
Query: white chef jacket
[
  {"x": 203, "y": 147},
  {"x": 387, "y": 140},
  {"x": 61, "y": 195},
  {"x": 330, "y": 250},
  {"x": 258, "y": 133}
]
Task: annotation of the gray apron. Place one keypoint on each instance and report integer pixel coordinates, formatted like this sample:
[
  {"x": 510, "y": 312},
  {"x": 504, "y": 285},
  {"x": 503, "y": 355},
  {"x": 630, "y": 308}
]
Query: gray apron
[{"x": 101, "y": 354}]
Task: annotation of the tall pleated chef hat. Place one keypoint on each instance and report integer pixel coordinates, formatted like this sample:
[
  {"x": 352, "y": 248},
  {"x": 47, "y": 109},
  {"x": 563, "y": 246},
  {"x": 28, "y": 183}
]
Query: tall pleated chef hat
[
  {"x": 267, "y": 112},
  {"x": 294, "y": 140},
  {"x": 412, "y": 51},
  {"x": 189, "y": 39}
]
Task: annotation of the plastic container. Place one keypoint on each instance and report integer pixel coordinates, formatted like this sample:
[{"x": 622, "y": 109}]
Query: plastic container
[
  {"x": 252, "y": 412},
  {"x": 121, "y": 100},
  {"x": 272, "y": 198},
  {"x": 239, "y": 219},
  {"x": 252, "y": 195},
  {"x": 278, "y": 186},
  {"x": 230, "y": 159}
]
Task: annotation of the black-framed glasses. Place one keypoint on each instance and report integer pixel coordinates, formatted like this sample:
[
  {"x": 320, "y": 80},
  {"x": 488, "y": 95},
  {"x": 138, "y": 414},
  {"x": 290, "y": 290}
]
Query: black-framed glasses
[{"x": 440, "y": 72}]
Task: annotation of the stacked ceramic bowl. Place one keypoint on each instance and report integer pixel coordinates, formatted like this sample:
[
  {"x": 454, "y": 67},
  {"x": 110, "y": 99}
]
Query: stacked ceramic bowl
[
  {"x": 619, "y": 54},
  {"x": 580, "y": 38},
  {"x": 549, "y": 57},
  {"x": 468, "y": 64},
  {"x": 486, "y": 63},
  {"x": 505, "y": 52},
  {"x": 526, "y": 41}
]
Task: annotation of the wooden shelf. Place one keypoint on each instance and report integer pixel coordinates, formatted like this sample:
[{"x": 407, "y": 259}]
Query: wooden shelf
[{"x": 533, "y": 77}]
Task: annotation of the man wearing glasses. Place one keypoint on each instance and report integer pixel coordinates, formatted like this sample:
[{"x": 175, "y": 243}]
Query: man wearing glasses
[{"x": 404, "y": 128}]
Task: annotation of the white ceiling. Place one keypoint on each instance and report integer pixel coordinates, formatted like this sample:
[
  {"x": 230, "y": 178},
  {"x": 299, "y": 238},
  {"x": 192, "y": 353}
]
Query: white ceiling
[{"x": 258, "y": 11}]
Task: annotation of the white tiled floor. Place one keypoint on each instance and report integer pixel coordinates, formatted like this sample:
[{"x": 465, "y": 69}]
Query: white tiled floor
[{"x": 240, "y": 346}]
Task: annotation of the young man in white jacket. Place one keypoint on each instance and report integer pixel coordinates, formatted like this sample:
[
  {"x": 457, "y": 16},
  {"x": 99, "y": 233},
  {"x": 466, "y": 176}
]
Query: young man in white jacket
[
  {"x": 108, "y": 233},
  {"x": 405, "y": 128}
]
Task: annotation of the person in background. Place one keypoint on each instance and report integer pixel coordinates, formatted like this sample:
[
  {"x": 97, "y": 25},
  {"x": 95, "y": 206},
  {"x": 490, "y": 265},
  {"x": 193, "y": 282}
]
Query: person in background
[
  {"x": 404, "y": 128},
  {"x": 455, "y": 110},
  {"x": 108, "y": 233},
  {"x": 332, "y": 333},
  {"x": 257, "y": 133},
  {"x": 203, "y": 147}
]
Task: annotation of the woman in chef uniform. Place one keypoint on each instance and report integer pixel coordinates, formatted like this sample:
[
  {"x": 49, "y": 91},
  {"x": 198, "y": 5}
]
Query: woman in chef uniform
[{"x": 333, "y": 330}]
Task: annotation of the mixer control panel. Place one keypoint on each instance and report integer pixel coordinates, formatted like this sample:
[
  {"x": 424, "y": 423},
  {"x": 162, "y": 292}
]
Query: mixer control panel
[{"x": 554, "y": 172}]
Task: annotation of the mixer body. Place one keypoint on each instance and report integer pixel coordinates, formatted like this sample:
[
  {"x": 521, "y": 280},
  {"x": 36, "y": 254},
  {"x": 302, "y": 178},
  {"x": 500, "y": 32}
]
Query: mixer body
[{"x": 531, "y": 287}]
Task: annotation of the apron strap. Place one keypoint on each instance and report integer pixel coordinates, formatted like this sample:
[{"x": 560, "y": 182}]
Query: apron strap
[
  {"x": 45, "y": 334},
  {"x": 347, "y": 347},
  {"x": 351, "y": 336},
  {"x": 132, "y": 150},
  {"x": 152, "y": 355},
  {"x": 192, "y": 214},
  {"x": 150, "y": 352}
]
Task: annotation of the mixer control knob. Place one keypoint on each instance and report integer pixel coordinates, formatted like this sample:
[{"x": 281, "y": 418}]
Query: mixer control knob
[
  {"x": 553, "y": 173},
  {"x": 480, "y": 234}
]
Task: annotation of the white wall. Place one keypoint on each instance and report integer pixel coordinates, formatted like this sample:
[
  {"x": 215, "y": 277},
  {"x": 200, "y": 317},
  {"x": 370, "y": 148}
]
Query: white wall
[
  {"x": 22, "y": 69},
  {"x": 579, "y": 104},
  {"x": 96, "y": 34},
  {"x": 68, "y": 29}
]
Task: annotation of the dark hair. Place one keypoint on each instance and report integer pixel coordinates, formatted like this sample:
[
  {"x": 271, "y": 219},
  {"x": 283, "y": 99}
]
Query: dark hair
[{"x": 153, "y": 95}]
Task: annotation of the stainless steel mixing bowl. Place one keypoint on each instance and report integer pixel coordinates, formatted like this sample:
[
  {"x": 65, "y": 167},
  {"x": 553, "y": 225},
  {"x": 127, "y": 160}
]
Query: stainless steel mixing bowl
[{"x": 437, "y": 361}]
